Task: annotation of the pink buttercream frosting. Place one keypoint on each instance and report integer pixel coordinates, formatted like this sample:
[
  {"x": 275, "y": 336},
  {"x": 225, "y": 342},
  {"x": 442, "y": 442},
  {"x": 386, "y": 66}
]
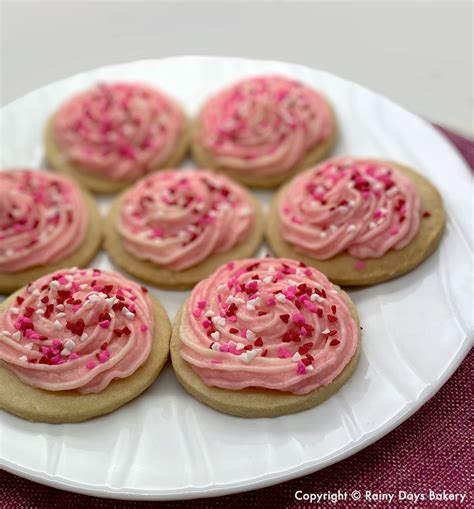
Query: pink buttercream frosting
[
  {"x": 361, "y": 206},
  {"x": 76, "y": 329},
  {"x": 43, "y": 218},
  {"x": 119, "y": 130},
  {"x": 178, "y": 218},
  {"x": 264, "y": 125},
  {"x": 269, "y": 323}
]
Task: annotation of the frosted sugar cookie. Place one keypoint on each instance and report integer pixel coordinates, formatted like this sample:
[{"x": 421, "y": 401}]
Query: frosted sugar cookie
[
  {"x": 265, "y": 337},
  {"x": 263, "y": 130},
  {"x": 77, "y": 344},
  {"x": 114, "y": 133}
]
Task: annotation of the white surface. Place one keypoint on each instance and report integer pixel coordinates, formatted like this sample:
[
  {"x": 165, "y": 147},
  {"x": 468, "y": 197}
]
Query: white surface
[
  {"x": 420, "y": 54},
  {"x": 417, "y": 328}
]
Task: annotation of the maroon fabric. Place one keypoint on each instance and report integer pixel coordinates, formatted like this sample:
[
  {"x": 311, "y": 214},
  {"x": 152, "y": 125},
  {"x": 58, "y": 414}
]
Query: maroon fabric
[{"x": 430, "y": 451}]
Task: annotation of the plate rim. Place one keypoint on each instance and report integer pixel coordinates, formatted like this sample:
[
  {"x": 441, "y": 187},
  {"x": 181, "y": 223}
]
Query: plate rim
[{"x": 292, "y": 473}]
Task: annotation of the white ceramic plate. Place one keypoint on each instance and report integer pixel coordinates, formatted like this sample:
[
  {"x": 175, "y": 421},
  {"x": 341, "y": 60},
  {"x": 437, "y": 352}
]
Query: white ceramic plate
[{"x": 417, "y": 328}]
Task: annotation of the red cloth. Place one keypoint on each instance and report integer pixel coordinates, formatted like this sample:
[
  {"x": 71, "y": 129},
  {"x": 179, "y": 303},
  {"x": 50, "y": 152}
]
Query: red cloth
[{"x": 430, "y": 451}]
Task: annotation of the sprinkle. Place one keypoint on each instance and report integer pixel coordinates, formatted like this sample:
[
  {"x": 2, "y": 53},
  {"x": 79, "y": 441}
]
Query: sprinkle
[
  {"x": 332, "y": 318},
  {"x": 104, "y": 324},
  {"x": 218, "y": 320},
  {"x": 309, "y": 368},
  {"x": 426, "y": 213},
  {"x": 201, "y": 304},
  {"x": 301, "y": 368},
  {"x": 280, "y": 297},
  {"x": 23, "y": 358},
  {"x": 285, "y": 318},
  {"x": 54, "y": 285},
  {"x": 359, "y": 265},
  {"x": 215, "y": 347},
  {"x": 325, "y": 331},
  {"x": 143, "y": 327},
  {"x": 298, "y": 318},
  {"x": 351, "y": 228},
  {"x": 14, "y": 311},
  {"x": 209, "y": 313},
  {"x": 250, "y": 335},
  {"x": 215, "y": 335},
  {"x": 267, "y": 279},
  {"x": 16, "y": 335},
  {"x": 296, "y": 357},
  {"x": 65, "y": 352},
  {"x": 69, "y": 344},
  {"x": 283, "y": 353},
  {"x": 334, "y": 342},
  {"x": 90, "y": 364},
  {"x": 57, "y": 325},
  {"x": 29, "y": 346}
]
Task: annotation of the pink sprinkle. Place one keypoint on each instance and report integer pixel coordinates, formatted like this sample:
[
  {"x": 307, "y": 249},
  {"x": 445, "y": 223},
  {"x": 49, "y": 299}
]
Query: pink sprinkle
[
  {"x": 298, "y": 318},
  {"x": 197, "y": 312},
  {"x": 230, "y": 265},
  {"x": 143, "y": 327},
  {"x": 104, "y": 324},
  {"x": 201, "y": 304},
  {"x": 75, "y": 307},
  {"x": 271, "y": 302},
  {"x": 359, "y": 265},
  {"x": 283, "y": 353},
  {"x": 62, "y": 280},
  {"x": 206, "y": 323},
  {"x": 300, "y": 368},
  {"x": 103, "y": 356},
  {"x": 307, "y": 272},
  {"x": 56, "y": 343},
  {"x": 224, "y": 347},
  {"x": 303, "y": 331},
  {"x": 394, "y": 230},
  {"x": 44, "y": 349},
  {"x": 309, "y": 305},
  {"x": 232, "y": 318},
  {"x": 73, "y": 356},
  {"x": 243, "y": 333},
  {"x": 90, "y": 364}
]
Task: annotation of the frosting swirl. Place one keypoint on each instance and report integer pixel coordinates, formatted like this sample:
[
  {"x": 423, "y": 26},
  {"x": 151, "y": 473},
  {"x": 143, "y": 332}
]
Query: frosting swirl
[
  {"x": 270, "y": 323},
  {"x": 265, "y": 124},
  {"x": 178, "y": 218},
  {"x": 76, "y": 329},
  {"x": 363, "y": 206},
  {"x": 119, "y": 130},
  {"x": 43, "y": 218}
]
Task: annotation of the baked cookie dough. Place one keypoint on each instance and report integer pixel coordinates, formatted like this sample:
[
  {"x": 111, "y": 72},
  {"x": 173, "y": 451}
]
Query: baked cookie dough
[
  {"x": 111, "y": 135},
  {"x": 91, "y": 367},
  {"x": 46, "y": 222},
  {"x": 266, "y": 337},
  {"x": 175, "y": 227},
  {"x": 360, "y": 221},
  {"x": 264, "y": 130}
]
